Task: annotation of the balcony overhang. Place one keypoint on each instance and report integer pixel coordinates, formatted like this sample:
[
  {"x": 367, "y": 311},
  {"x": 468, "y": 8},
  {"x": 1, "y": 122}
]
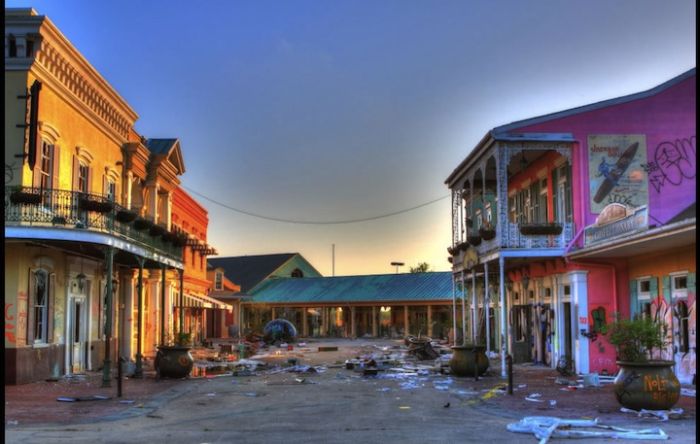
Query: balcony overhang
[
  {"x": 78, "y": 236},
  {"x": 675, "y": 235}
]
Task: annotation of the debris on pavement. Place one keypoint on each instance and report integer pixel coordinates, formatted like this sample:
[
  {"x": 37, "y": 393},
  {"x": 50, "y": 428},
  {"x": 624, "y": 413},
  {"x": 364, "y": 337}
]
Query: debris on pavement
[
  {"x": 83, "y": 398},
  {"x": 663, "y": 415},
  {"x": 688, "y": 392},
  {"x": 546, "y": 427}
]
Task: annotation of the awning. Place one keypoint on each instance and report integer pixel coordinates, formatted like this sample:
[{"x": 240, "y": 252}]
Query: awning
[{"x": 202, "y": 301}]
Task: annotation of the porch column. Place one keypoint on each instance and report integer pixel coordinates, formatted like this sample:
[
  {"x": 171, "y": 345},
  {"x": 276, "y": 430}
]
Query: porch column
[
  {"x": 273, "y": 313},
  {"x": 375, "y": 330},
  {"x": 430, "y": 321},
  {"x": 162, "y": 305},
  {"x": 454, "y": 312},
  {"x": 405, "y": 320},
  {"x": 305, "y": 322},
  {"x": 128, "y": 318},
  {"x": 181, "y": 317},
  {"x": 106, "y": 378},
  {"x": 464, "y": 309},
  {"x": 502, "y": 303},
  {"x": 474, "y": 307},
  {"x": 487, "y": 308},
  {"x": 353, "y": 325},
  {"x": 138, "y": 373},
  {"x": 127, "y": 192},
  {"x": 579, "y": 308}
]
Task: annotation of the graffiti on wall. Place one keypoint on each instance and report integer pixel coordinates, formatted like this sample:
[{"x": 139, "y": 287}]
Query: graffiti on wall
[
  {"x": 673, "y": 163},
  {"x": 616, "y": 173},
  {"x": 9, "y": 325},
  {"x": 21, "y": 332}
]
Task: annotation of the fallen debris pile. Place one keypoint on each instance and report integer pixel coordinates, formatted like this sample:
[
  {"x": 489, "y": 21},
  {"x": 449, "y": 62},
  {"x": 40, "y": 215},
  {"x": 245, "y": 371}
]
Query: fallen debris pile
[{"x": 546, "y": 427}]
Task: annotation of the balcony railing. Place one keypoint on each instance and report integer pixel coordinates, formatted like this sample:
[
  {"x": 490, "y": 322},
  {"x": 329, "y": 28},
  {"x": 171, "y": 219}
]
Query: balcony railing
[{"x": 26, "y": 206}]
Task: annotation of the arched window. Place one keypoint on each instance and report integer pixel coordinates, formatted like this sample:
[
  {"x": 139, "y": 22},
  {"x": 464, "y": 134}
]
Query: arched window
[{"x": 297, "y": 273}]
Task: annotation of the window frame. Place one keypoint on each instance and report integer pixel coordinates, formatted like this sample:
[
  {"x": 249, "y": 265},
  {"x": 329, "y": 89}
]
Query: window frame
[{"x": 40, "y": 324}]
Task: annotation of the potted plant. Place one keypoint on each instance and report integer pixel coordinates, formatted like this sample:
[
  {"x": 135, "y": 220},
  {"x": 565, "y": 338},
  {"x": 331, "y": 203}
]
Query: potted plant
[
  {"x": 474, "y": 239},
  {"x": 142, "y": 224},
  {"x": 126, "y": 216},
  {"x": 157, "y": 230},
  {"x": 643, "y": 381},
  {"x": 173, "y": 359},
  {"x": 487, "y": 231},
  {"x": 24, "y": 197},
  {"x": 541, "y": 229},
  {"x": 88, "y": 203}
]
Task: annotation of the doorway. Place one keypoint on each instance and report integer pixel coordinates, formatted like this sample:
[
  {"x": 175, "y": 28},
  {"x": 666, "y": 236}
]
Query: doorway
[
  {"x": 522, "y": 333},
  {"x": 77, "y": 343},
  {"x": 567, "y": 352}
]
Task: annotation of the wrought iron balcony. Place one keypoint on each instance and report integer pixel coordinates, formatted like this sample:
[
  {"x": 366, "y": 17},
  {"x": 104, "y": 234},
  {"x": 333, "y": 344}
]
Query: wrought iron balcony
[
  {"x": 522, "y": 236},
  {"x": 33, "y": 207}
]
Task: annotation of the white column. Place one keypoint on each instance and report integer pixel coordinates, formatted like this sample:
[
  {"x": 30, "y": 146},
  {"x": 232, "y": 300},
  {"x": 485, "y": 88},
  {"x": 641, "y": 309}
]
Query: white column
[
  {"x": 127, "y": 189},
  {"x": 486, "y": 308},
  {"x": 464, "y": 310},
  {"x": 405, "y": 320},
  {"x": 556, "y": 305},
  {"x": 430, "y": 321},
  {"x": 169, "y": 209},
  {"x": 305, "y": 322},
  {"x": 128, "y": 285},
  {"x": 475, "y": 307},
  {"x": 454, "y": 312},
  {"x": 353, "y": 325},
  {"x": 579, "y": 318},
  {"x": 502, "y": 303},
  {"x": 153, "y": 201}
]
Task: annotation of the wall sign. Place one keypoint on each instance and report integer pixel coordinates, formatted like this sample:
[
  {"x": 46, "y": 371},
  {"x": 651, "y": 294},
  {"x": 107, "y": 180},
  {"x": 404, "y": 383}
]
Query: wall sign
[
  {"x": 615, "y": 170},
  {"x": 638, "y": 220}
]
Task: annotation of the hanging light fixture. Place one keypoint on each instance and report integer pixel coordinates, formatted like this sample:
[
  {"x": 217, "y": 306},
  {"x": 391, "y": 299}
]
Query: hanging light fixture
[
  {"x": 81, "y": 278},
  {"x": 526, "y": 281}
]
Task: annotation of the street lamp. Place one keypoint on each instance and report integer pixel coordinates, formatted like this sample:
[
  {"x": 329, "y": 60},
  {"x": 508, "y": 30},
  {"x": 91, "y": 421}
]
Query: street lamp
[{"x": 397, "y": 265}]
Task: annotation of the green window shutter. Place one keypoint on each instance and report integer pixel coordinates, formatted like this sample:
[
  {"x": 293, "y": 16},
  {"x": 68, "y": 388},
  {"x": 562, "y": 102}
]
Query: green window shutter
[
  {"x": 654, "y": 287},
  {"x": 634, "y": 305},
  {"x": 666, "y": 284},
  {"x": 691, "y": 283}
]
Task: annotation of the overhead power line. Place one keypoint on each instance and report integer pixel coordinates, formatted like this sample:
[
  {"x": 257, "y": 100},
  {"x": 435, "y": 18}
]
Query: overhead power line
[{"x": 313, "y": 222}]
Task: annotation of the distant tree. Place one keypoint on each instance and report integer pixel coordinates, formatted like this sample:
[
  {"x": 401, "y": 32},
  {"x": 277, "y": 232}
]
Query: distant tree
[{"x": 421, "y": 268}]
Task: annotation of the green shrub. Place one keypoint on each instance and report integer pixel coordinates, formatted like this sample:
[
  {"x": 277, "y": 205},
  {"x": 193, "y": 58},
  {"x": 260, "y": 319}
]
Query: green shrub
[{"x": 636, "y": 339}]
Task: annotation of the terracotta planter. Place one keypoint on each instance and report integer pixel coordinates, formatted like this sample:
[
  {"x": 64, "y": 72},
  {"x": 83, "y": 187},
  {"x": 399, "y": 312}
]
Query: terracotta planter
[
  {"x": 21, "y": 197},
  {"x": 173, "y": 361},
  {"x": 651, "y": 385},
  {"x": 541, "y": 229},
  {"x": 465, "y": 358}
]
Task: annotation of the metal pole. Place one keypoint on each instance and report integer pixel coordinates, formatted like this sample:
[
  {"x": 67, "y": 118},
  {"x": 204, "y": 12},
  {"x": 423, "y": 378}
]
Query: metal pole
[
  {"x": 487, "y": 308},
  {"x": 119, "y": 376},
  {"x": 138, "y": 372},
  {"x": 502, "y": 303},
  {"x": 474, "y": 307},
  {"x": 464, "y": 310},
  {"x": 109, "y": 256},
  {"x": 509, "y": 364}
]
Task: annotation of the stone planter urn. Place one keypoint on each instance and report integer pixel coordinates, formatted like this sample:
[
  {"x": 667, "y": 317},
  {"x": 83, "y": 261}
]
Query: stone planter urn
[
  {"x": 465, "y": 358},
  {"x": 648, "y": 385},
  {"x": 173, "y": 361}
]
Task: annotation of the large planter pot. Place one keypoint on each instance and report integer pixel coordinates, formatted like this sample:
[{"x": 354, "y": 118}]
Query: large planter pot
[
  {"x": 650, "y": 385},
  {"x": 173, "y": 361},
  {"x": 465, "y": 358},
  {"x": 97, "y": 206},
  {"x": 474, "y": 240}
]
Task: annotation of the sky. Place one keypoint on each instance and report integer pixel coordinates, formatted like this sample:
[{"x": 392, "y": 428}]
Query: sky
[{"x": 332, "y": 111}]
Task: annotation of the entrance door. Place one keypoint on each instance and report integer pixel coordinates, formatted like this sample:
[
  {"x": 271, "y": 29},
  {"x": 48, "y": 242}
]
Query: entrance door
[
  {"x": 77, "y": 335},
  {"x": 522, "y": 333},
  {"x": 568, "y": 350}
]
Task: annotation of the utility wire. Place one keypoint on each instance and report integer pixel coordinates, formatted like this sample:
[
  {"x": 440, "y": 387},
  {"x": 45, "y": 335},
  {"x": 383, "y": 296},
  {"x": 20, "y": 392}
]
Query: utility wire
[{"x": 313, "y": 222}]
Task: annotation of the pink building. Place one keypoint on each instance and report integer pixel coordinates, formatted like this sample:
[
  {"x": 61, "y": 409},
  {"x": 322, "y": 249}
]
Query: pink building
[{"x": 599, "y": 218}]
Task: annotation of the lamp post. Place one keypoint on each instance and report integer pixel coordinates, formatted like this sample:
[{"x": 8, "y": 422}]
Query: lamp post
[{"x": 397, "y": 265}]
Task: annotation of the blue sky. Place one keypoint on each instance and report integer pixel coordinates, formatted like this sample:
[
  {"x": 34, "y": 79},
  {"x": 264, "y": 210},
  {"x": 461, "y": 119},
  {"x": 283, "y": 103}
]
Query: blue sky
[{"x": 339, "y": 110}]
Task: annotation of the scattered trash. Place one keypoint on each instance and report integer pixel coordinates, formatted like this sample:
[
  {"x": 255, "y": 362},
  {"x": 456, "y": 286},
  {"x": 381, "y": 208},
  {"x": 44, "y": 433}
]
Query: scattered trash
[
  {"x": 151, "y": 415},
  {"x": 211, "y": 394},
  {"x": 591, "y": 380},
  {"x": 404, "y": 407},
  {"x": 12, "y": 422},
  {"x": 663, "y": 415},
  {"x": 327, "y": 349},
  {"x": 688, "y": 392},
  {"x": 384, "y": 389},
  {"x": 421, "y": 348},
  {"x": 82, "y": 398},
  {"x": 535, "y": 395},
  {"x": 520, "y": 386},
  {"x": 552, "y": 403},
  {"x": 545, "y": 427},
  {"x": 532, "y": 399},
  {"x": 279, "y": 330},
  {"x": 564, "y": 381},
  {"x": 446, "y": 405},
  {"x": 126, "y": 401}
]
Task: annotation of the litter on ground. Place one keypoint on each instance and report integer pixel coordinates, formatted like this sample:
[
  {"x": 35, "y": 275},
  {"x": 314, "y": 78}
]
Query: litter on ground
[
  {"x": 546, "y": 427},
  {"x": 663, "y": 415}
]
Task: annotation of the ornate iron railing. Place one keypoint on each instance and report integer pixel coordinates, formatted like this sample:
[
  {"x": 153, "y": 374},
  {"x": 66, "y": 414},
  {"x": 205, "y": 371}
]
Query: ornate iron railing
[{"x": 26, "y": 206}]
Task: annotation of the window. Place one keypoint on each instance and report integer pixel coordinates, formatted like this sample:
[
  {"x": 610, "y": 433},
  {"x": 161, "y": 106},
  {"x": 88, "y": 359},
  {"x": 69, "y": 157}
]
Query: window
[
  {"x": 30, "y": 48},
  {"x": 218, "y": 281},
  {"x": 644, "y": 289},
  {"x": 477, "y": 217},
  {"x": 111, "y": 190},
  {"x": 40, "y": 302},
  {"x": 83, "y": 172},
  {"x": 681, "y": 313},
  {"x": 297, "y": 273},
  {"x": 45, "y": 166},
  {"x": 13, "y": 46},
  {"x": 542, "y": 212},
  {"x": 679, "y": 285}
]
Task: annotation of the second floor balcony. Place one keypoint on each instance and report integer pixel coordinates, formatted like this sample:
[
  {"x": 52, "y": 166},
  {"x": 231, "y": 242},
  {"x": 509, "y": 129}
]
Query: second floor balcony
[{"x": 79, "y": 212}]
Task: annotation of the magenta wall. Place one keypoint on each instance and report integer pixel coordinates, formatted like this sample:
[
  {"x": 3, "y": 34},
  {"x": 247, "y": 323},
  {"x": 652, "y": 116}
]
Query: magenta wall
[{"x": 667, "y": 119}]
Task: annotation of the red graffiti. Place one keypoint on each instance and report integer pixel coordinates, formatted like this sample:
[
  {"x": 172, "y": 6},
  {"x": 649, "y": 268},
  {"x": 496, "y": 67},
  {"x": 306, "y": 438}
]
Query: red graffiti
[{"x": 9, "y": 328}]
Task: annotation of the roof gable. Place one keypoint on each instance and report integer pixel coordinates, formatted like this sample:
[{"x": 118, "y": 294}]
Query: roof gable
[
  {"x": 170, "y": 149},
  {"x": 249, "y": 271}
]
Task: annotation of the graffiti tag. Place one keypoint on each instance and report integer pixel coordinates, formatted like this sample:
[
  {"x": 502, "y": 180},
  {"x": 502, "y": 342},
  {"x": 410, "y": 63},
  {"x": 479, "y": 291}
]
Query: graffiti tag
[
  {"x": 9, "y": 328},
  {"x": 674, "y": 162}
]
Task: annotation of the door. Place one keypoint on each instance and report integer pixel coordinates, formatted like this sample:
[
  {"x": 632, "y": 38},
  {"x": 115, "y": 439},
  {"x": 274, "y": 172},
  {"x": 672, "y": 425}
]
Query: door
[
  {"x": 77, "y": 335},
  {"x": 567, "y": 352},
  {"x": 522, "y": 333}
]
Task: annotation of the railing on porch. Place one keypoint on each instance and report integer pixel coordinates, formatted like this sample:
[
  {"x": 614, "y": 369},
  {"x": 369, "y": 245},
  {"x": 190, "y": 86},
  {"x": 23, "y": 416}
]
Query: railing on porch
[
  {"x": 513, "y": 238},
  {"x": 27, "y": 206}
]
